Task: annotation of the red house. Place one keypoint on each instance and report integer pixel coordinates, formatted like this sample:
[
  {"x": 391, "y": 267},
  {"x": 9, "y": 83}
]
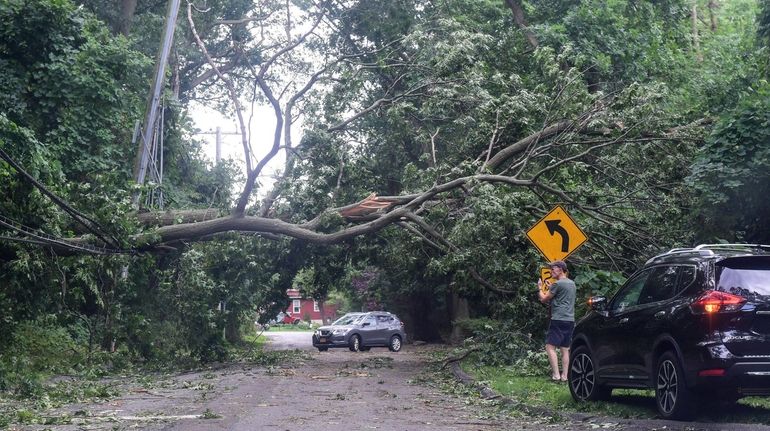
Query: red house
[{"x": 304, "y": 308}]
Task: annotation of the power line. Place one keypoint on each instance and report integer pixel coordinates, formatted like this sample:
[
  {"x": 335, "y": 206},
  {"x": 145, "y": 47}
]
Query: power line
[
  {"x": 92, "y": 225},
  {"x": 42, "y": 238}
]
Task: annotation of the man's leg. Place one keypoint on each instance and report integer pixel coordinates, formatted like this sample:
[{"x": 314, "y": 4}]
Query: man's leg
[
  {"x": 550, "y": 349},
  {"x": 564, "y": 362}
]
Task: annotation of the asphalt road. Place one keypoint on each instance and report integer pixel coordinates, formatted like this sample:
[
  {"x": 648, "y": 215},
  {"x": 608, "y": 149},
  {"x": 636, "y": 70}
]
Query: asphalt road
[{"x": 333, "y": 390}]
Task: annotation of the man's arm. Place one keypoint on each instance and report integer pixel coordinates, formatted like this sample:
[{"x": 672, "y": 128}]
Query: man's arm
[{"x": 544, "y": 297}]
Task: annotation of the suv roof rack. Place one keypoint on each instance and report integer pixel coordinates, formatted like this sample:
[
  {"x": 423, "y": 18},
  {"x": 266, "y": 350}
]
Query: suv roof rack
[
  {"x": 708, "y": 249},
  {"x": 732, "y": 247},
  {"x": 699, "y": 252}
]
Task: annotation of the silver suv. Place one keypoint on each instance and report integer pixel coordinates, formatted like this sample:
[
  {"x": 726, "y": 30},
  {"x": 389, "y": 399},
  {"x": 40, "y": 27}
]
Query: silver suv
[{"x": 362, "y": 331}]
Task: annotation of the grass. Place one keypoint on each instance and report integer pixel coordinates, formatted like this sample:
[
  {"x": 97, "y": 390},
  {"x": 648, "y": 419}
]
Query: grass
[
  {"x": 208, "y": 414},
  {"x": 625, "y": 403},
  {"x": 255, "y": 341}
]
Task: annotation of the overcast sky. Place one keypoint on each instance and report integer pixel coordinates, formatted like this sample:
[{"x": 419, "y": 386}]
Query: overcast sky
[{"x": 262, "y": 131}]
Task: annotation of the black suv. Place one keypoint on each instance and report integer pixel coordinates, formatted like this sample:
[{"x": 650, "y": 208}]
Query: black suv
[{"x": 690, "y": 322}]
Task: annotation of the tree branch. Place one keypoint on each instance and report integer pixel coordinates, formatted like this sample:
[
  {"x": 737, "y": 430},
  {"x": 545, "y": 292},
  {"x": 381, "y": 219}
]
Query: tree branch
[
  {"x": 518, "y": 18},
  {"x": 472, "y": 271},
  {"x": 228, "y": 84},
  {"x": 522, "y": 144},
  {"x": 379, "y": 102}
]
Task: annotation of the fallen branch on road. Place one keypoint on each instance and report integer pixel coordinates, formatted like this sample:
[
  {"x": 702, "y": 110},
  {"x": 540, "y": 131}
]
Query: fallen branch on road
[{"x": 460, "y": 358}]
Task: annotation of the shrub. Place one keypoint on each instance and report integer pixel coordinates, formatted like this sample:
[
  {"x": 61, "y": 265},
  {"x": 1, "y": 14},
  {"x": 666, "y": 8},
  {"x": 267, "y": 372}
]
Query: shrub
[
  {"x": 36, "y": 349},
  {"x": 500, "y": 342}
]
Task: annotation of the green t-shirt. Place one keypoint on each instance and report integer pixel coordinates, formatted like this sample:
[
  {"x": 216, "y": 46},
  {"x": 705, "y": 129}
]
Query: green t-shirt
[{"x": 563, "y": 301}]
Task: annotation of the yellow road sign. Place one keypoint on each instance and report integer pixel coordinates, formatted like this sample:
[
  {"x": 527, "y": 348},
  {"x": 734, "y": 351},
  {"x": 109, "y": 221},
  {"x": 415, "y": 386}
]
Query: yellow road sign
[
  {"x": 556, "y": 235},
  {"x": 545, "y": 275}
]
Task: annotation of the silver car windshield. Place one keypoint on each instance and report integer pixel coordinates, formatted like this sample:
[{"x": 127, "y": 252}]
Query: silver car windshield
[{"x": 347, "y": 319}]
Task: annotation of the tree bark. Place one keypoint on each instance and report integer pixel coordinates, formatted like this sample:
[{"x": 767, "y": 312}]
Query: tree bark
[
  {"x": 232, "y": 329},
  {"x": 176, "y": 217},
  {"x": 712, "y": 6},
  {"x": 127, "y": 10},
  {"x": 458, "y": 310},
  {"x": 522, "y": 144},
  {"x": 695, "y": 37},
  {"x": 521, "y": 22},
  {"x": 321, "y": 310}
]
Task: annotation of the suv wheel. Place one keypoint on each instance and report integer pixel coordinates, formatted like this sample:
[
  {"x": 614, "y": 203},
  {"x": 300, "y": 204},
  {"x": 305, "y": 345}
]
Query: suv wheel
[
  {"x": 582, "y": 378},
  {"x": 323, "y": 349},
  {"x": 355, "y": 343},
  {"x": 395, "y": 343},
  {"x": 672, "y": 397}
]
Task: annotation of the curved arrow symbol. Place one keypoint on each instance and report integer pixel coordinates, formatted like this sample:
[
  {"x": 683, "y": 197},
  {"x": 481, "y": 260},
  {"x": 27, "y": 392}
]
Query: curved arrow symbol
[{"x": 555, "y": 226}]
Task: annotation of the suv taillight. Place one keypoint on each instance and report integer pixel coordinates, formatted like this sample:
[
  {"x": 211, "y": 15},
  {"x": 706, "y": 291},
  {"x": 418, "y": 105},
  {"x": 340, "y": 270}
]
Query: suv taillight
[{"x": 714, "y": 301}]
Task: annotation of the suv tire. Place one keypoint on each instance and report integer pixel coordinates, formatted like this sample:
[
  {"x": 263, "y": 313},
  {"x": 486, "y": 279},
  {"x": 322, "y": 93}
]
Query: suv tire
[
  {"x": 672, "y": 396},
  {"x": 395, "y": 343},
  {"x": 582, "y": 377},
  {"x": 355, "y": 343}
]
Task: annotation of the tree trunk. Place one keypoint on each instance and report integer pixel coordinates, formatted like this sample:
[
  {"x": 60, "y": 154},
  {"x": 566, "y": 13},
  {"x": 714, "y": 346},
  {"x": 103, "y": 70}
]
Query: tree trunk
[
  {"x": 168, "y": 218},
  {"x": 695, "y": 38},
  {"x": 232, "y": 330},
  {"x": 108, "y": 338},
  {"x": 106, "y": 290},
  {"x": 127, "y": 9},
  {"x": 521, "y": 22},
  {"x": 458, "y": 310},
  {"x": 321, "y": 310},
  {"x": 712, "y": 5}
]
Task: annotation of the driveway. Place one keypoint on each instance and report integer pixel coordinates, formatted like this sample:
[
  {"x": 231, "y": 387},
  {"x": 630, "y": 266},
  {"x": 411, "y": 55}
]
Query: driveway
[{"x": 289, "y": 340}]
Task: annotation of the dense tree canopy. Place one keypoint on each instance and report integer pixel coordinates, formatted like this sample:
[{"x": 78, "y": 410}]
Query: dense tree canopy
[{"x": 467, "y": 119}]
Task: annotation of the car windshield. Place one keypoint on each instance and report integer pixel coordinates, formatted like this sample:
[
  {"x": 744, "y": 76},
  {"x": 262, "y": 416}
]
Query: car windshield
[
  {"x": 748, "y": 277},
  {"x": 347, "y": 319}
]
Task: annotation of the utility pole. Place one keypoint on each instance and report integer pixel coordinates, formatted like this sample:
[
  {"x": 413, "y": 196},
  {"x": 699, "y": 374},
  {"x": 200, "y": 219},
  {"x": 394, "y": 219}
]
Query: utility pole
[
  {"x": 151, "y": 115},
  {"x": 218, "y": 133}
]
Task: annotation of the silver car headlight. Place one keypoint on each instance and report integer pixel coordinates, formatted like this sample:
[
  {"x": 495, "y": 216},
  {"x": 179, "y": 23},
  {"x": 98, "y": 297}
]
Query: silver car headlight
[{"x": 340, "y": 331}]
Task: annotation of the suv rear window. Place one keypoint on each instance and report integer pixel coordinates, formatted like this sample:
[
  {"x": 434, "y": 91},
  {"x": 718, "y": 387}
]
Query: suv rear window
[{"x": 745, "y": 276}]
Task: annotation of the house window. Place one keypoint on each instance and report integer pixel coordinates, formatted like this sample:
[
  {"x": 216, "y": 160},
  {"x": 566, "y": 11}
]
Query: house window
[
  {"x": 315, "y": 306},
  {"x": 295, "y": 304}
]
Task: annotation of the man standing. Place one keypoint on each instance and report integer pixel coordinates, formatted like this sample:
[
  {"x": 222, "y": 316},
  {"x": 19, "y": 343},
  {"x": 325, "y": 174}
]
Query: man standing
[{"x": 561, "y": 296}]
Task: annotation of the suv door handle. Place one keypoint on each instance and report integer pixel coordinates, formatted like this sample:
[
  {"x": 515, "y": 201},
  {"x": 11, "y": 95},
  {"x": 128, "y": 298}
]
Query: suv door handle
[
  {"x": 624, "y": 320},
  {"x": 660, "y": 314}
]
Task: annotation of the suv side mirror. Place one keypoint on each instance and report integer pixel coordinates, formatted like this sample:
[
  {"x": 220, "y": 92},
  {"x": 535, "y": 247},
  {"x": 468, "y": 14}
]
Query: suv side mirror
[
  {"x": 366, "y": 324},
  {"x": 597, "y": 303}
]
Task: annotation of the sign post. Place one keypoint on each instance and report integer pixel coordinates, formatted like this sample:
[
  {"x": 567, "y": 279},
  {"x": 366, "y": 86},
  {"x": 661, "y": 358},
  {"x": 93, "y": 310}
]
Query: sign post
[{"x": 556, "y": 235}]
